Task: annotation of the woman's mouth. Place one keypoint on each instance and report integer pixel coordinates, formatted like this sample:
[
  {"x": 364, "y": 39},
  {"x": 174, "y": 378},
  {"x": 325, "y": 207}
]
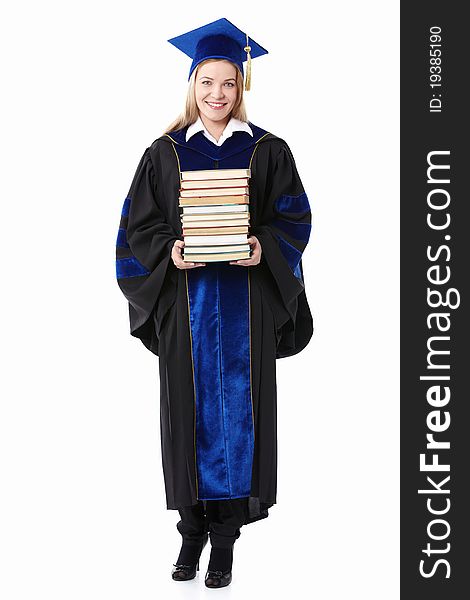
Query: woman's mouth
[{"x": 216, "y": 105}]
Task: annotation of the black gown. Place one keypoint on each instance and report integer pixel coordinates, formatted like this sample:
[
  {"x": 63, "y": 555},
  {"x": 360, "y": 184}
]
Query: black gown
[{"x": 217, "y": 329}]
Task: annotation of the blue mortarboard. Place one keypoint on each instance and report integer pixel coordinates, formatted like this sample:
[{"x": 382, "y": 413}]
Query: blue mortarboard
[{"x": 220, "y": 39}]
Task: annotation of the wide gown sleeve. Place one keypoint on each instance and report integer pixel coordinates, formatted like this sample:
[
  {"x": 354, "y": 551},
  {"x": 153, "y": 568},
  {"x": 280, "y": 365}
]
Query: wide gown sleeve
[
  {"x": 143, "y": 252},
  {"x": 283, "y": 228}
]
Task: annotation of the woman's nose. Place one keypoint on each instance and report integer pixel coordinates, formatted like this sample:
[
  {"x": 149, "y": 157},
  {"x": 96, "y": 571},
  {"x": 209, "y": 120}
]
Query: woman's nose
[{"x": 217, "y": 92}]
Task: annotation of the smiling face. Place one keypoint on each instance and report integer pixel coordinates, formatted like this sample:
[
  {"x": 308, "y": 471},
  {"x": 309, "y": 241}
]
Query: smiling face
[{"x": 216, "y": 90}]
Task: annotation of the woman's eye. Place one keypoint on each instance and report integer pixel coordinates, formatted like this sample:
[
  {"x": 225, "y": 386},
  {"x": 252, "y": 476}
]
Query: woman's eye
[{"x": 228, "y": 83}]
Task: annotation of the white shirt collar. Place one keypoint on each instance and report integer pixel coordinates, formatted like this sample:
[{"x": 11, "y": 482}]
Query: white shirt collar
[{"x": 232, "y": 125}]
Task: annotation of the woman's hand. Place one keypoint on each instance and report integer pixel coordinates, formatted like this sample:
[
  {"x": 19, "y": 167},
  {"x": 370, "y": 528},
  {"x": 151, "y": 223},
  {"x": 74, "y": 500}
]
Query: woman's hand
[
  {"x": 179, "y": 262},
  {"x": 255, "y": 258}
]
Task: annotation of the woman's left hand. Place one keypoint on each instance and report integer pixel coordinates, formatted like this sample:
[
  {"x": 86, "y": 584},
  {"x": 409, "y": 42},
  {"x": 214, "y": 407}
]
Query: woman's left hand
[{"x": 255, "y": 258}]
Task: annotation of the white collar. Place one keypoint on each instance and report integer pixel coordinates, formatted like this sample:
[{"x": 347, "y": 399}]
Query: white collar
[{"x": 232, "y": 125}]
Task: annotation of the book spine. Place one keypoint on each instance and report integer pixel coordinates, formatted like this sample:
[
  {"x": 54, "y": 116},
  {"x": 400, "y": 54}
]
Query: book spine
[
  {"x": 221, "y": 209},
  {"x": 215, "y": 230},
  {"x": 215, "y": 249},
  {"x": 228, "y": 191},
  {"x": 215, "y": 174},
  {"x": 201, "y": 201},
  {"x": 229, "y": 217},
  {"x": 218, "y": 183}
]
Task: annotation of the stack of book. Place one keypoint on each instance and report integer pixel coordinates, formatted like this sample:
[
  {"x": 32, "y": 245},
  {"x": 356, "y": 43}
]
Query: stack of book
[{"x": 215, "y": 214}]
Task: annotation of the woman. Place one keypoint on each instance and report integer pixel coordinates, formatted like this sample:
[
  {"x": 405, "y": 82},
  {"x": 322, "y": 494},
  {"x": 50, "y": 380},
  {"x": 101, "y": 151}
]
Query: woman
[{"x": 217, "y": 327}]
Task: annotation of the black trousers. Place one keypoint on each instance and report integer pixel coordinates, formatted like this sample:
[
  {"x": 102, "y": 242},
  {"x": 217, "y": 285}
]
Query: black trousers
[{"x": 222, "y": 519}]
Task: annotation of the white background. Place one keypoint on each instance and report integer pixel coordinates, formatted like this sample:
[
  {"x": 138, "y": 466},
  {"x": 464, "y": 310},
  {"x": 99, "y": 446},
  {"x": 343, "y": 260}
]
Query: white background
[{"x": 87, "y": 86}]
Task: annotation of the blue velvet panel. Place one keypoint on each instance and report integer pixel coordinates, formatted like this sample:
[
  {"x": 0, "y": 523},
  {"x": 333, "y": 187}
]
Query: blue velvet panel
[
  {"x": 220, "y": 328},
  {"x": 125, "y": 207},
  {"x": 130, "y": 267},
  {"x": 292, "y": 204},
  {"x": 218, "y": 296},
  {"x": 297, "y": 231},
  {"x": 121, "y": 241},
  {"x": 209, "y": 156},
  {"x": 200, "y": 153}
]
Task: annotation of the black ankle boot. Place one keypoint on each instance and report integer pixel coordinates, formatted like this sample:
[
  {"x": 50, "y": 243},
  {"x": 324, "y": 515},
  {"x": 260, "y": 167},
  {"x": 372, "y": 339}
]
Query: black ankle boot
[
  {"x": 219, "y": 570},
  {"x": 184, "y": 572}
]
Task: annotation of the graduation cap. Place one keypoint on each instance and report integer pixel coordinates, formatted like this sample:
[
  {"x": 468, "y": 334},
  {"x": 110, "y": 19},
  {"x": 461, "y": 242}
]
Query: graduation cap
[{"x": 219, "y": 39}]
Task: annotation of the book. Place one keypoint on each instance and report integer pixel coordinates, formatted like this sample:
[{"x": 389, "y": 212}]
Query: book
[
  {"x": 215, "y": 174},
  {"x": 218, "y": 249},
  {"x": 215, "y": 230},
  {"x": 220, "y": 209},
  {"x": 210, "y": 183},
  {"x": 215, "y": 257},
  {"x": 227, "y": 191},
  {"x": 227, "y": 217},
  {"x": 215, "y": 223},
  {"x": 216, "y": 240},
  {"x": 214, "y": 200}
]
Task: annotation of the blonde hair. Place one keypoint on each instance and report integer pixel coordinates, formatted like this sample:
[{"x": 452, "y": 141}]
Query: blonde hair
[{"x": 190, "y": 113}]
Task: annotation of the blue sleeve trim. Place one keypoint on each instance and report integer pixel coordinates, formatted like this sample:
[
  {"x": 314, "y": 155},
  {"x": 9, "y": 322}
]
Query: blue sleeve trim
[
  {"x": 121, "y": 241},
  {"x": 292, "y": 204},
  {"x": 125, "y": 208},
  {"x": 297, "y": 231},
  {"x": 130, "y": 267},
  {"x": 291, "y": 254}
]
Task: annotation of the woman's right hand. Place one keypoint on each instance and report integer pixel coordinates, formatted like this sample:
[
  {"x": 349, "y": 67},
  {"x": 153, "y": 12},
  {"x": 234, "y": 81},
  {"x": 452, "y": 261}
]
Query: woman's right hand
[{"x": 179, "y": 262}]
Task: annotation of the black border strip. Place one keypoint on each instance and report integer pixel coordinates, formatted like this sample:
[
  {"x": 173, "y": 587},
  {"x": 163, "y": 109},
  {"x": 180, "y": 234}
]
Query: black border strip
[{"x": 434, "y": 260}]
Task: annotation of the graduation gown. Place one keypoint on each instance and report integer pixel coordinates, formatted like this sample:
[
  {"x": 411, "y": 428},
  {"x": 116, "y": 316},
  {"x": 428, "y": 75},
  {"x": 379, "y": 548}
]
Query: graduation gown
[{"x": 217, "y": 329}]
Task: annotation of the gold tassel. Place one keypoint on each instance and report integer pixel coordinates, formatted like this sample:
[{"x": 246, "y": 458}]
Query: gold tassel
[{"x": 247, "y": 49}]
